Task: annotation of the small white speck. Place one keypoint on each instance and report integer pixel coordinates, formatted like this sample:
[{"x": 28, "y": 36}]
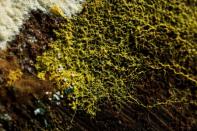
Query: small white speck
[
  {"x": 58, "y": 93},
  {"x": 60, "y": 69},
  {"x": 56, "y": 97},
  {"x": 65, "y": 79},
  {"x": 58, "y": 103}
]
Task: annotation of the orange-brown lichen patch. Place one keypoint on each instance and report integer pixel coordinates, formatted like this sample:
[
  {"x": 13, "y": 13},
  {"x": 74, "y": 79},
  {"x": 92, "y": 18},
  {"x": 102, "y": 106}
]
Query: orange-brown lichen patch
[{"x": 13, "y": 79}]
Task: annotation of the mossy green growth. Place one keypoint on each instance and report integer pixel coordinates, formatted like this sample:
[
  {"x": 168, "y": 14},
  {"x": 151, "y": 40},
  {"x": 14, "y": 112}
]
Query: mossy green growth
[
  {"x": 97, "y": 71},
  {"x": 104, "y": 51}
]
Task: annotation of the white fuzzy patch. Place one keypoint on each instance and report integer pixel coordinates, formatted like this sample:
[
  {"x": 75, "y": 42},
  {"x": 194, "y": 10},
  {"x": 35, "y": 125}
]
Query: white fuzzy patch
[{"x": 14, "y": 12}]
